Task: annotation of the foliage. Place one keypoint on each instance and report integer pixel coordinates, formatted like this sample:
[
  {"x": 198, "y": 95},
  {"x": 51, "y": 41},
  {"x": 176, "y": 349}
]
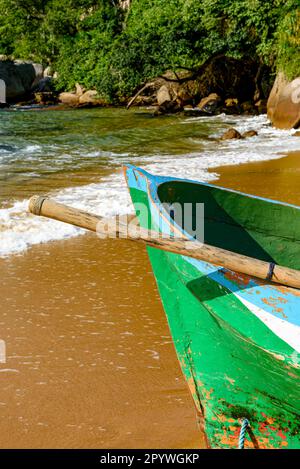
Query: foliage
[
  {"x": 288, "y": 39},
  {"x": 98, "y": 44}
]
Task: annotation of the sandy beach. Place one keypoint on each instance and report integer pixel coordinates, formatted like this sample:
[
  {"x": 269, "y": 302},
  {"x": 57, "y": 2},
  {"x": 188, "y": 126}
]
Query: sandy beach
[
  {"x": 275, "y": 179},
  {"x": 90, "y": 362}
]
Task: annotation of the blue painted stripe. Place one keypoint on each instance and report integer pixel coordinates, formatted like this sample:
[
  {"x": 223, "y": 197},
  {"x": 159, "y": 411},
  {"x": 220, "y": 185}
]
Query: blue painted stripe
[{"x": 280, "y": 302}]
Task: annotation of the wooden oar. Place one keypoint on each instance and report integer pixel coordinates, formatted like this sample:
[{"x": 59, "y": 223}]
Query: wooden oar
[{"x": 230, "y": 260}]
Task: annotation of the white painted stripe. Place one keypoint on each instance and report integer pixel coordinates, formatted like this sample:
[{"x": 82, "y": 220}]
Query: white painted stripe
[{"x": 287, "y": 331}]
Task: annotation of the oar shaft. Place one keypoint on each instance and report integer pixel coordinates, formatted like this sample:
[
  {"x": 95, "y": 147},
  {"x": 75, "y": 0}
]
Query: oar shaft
[
  {"x": 46, "y": 207},
  {"x": 212, "y": 254}
]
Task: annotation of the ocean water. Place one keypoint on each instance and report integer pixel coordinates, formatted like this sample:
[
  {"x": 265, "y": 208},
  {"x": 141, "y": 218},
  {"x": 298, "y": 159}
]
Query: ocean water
[{"x": 76, "y": 157}]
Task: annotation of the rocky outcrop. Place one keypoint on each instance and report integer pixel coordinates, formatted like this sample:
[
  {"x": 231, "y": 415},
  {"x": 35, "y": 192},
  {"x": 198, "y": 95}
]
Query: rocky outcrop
[
  {"x": 91, "y": 98},
  {"x": 235, "y": 134},
  {"x": 283, "y": 105},
  {"x": 163, "y": 95},
  {"x": 221, "y": 84},
  {"x": 81, "y": 98},
  {"x": 231, "y": 134},
  {"x": 250, "y": 133},
  {"x": 69, "y": 99},
  {"x": 167, "y": 100},
  {"x": 226, "y": 76},
  {"x": 210, "y": 104},
  {"x": 19, "y": 77},
  {"x": 45, "y": 98}
]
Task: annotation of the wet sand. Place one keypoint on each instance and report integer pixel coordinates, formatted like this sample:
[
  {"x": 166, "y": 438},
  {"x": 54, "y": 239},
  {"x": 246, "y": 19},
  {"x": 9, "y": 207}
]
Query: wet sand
[
  {"x": 275, "y": 179},
  {"x": 90, "y": 362}
]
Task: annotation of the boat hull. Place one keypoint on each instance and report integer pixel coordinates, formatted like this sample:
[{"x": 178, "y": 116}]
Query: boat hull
[{"x": 240, "y": 359}]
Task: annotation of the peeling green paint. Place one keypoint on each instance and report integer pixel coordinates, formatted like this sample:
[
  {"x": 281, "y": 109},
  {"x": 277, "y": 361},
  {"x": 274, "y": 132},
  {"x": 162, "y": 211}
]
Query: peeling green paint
[{"x": 235, "y": 366}]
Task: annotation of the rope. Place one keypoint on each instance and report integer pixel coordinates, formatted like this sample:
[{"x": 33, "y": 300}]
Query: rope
[
  {"x": 271, "y": 271},
  {"x": 244, "y": 426},
  {"x": 37, "y": 204}
]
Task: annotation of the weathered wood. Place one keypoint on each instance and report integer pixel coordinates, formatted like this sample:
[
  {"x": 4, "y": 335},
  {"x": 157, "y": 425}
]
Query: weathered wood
[
  {"x": 131, "y": 230},
  {"x": 132, "y": 100}
]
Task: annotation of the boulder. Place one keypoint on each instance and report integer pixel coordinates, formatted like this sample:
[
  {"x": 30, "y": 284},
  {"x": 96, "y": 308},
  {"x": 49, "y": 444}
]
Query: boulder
[
  {"x": 210, "y": 104},
  {"x": 247, "y": 107},
  {"x": 249, "y": 133},
  {"x": 46, "y": 98},
  {"x": 231, "y": 134},
  {"x": 79, "y": 89},
  {"x": 231, "y": 106},
  {"x": 283, "y": 105},
  {"x": 19, "y": 77},
  {"x": 45, "y": 85},
  {"x": 167, "y": 100},
  {"x": 261, "y": 106},
  {"x": 163, "y": 95},
  {"x": 48, "y": 72},
  {"x": 169, "y": 107},
  {"x": 145, "y": 100},
  {"x": 91, "y": 98},
  {"x": 223, "y": 75},
  {"x": 297, "y": 134},
  {"x": 231, "y": 102},
  {"x": 70, "y": 99}
]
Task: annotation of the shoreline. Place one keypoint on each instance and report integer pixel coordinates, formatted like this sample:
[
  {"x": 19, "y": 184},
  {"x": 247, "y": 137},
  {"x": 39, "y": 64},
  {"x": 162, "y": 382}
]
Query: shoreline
[
  {"x": 90, "y": 358},
  {"x": 275, "y": 179}
]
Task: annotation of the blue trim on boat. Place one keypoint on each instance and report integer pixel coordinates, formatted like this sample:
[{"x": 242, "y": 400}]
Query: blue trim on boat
[{"x": 269, "y": 296}]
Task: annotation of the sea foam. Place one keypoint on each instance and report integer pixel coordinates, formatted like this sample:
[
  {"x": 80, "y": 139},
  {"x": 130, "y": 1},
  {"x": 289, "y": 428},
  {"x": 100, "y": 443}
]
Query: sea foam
[{"x": 19, "y": 230}]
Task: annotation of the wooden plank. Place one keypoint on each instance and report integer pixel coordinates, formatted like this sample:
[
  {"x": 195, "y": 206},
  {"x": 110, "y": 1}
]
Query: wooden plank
[{"x": 106, "y": 227}]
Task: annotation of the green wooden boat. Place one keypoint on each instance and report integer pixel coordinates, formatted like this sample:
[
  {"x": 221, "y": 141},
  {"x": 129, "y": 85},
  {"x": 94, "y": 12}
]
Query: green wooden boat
[{"x": 237, "y": 338}]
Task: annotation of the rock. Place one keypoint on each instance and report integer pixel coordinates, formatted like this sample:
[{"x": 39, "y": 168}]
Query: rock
[
  {"x": 91, "y": 98},
  {"x": 163, "y": 95},
  {"x": 48, "y": 72},
  {"x": 283, "y": 105},
  {"x": 247, "y": 107},
  {"x": 223, "y": 75},
  {"x": 261, "y": 106},
  {"x": 231, "y": 102},
  {"x": 70, "y": 99},
  {"x": 145, "y": 100},
  {"x": 79, "y": 89},
  {"x": 169, "y": 107},
  {"x": 227, "y": 77},
  {"x": 87, "y": 98},
  {"x": 297, "y": 134},
  {"x": 231, "y": 134},
  {"x": 231, "y": 106},
  {"x": 19, "y": 77},
  {"x": 250, "y": 133},
  {"x": 210, "y": 104},
  {"x": 45, "y": 85},
  {"x": 167, "y": 100},
  {"x": 194, "y": 111},
  {"x": 45, "y": 98}
]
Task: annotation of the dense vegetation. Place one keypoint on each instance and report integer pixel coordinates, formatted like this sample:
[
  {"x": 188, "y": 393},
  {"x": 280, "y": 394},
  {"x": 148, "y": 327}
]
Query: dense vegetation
[{"x": 99, "y": 44}]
